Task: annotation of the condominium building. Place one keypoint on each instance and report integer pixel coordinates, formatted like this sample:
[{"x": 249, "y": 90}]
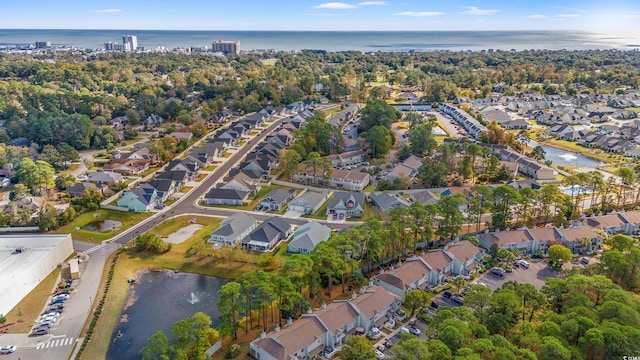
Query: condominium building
[
  {"x": 130, "y": 42},
  {"x": 226, "y": 47}
]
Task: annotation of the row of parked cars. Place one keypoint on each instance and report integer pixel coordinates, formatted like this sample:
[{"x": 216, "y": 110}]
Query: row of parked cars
[{"x": 53, "y": 312}]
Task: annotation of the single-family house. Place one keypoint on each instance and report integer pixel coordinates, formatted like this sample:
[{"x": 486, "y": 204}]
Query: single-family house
[
  {"x": 78, "y": 189},
  {"x": 153, "y": 120},
  {"x": 128, "y": 167},
  {"x": 241, "y": 181},
  {"x": 164, "y": 187},
  {"x": 307, "y": 236},
  {"x": 386, "y": 201},
  {"x": 267, "y": 235},
  {"x": 424, "y": 197},
  {"x": 277, "y": 198},
  {"x": 140, "y": 199},
  {"x": 104, "y": 177},
  {"x": 226, "y": 197},
  {"x": 308, "y": 202},
  {"x": 345, "y": 205},
  {"x": 233, "y": 229}
]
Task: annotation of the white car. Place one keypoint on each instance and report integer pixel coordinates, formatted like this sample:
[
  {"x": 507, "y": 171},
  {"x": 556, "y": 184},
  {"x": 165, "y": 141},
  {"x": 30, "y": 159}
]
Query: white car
[
  {"x": 62, "y": 296},
  {"x": 379, "y": 355},
  {"x": 7, "y": 349}
]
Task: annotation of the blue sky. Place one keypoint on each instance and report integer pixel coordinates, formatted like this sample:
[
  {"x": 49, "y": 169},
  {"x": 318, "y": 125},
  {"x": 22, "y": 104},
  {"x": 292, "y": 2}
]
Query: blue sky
[{"x": 321, "y": 15}]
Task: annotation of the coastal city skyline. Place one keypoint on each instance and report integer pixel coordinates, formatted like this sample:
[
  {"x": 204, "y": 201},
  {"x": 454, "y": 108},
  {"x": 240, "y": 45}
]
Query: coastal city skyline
[{"x": 319, "y": 15}]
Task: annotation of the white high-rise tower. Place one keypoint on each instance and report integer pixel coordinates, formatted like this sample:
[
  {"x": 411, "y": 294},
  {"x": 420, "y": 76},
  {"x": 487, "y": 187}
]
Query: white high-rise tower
[{"x": 130, "y": 42}]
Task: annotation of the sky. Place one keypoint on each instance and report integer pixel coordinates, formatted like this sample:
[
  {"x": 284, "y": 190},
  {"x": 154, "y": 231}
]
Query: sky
[{"x": 389, "y": 15}]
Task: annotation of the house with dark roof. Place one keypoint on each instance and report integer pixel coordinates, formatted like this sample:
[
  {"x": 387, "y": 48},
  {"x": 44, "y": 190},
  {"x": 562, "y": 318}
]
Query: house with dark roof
[
  {"x": 179, "y": 176},
  {"x": 307, "y": 236},
  {"x": 241, "y": 181},
  {"x": 345, "y": 205},
  {"x": 128, "y": 167},
  {"x": 164, "y": 187},
  {"x": 78, "y": 189},
  {"x": 226, "y": 197},
  {"x": 233, "y": 229},
  {"x": 153, "y": 120},
  {"x": 267, "y": 235},
  {"x": 386, "y": 201},
  {"x": 277, "y": 198},
  {"x": 140, "y": 199}
]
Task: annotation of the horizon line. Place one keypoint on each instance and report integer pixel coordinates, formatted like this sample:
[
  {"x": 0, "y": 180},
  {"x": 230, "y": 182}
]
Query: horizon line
[{"x": 328, "y": 31}]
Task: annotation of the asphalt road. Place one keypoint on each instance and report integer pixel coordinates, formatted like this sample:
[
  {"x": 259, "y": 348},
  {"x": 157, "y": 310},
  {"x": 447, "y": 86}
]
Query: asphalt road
[{"x": 188, "y": 204}]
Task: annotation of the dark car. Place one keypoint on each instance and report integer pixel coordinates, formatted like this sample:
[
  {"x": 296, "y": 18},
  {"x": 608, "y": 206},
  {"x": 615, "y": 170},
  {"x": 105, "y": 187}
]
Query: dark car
[
  {"x": 458, "y": 300},
  {"x": 447, "y": 294},
  {"x": 498, "y": 271},
  {"x": 434, "y": 305},
  {"x": 584, "y": 260}
]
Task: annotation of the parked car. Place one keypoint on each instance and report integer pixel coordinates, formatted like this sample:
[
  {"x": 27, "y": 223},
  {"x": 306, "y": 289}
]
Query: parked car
[
  {"x": 458, "y": 300},
  {"x": 414, "y": 330},
  {"x": 434, "y": 305},
  {"x": 58, "y": 308},
  {"x": 498, "y": 271},
  {"x": 379, "y": 355},
  {"x": 7, "y": 349},
  {"x": 62, "y": 296},
  {"x": 523, "y": 264},
  {"x": 57, "y": 301},
  {"x": 447, "y": 294},
  {"x": 45, "y": 323},
  {"x": 401, "y": 315},
  {"x": 584, "y": 261},
  {"x": 40, "y": 331}
]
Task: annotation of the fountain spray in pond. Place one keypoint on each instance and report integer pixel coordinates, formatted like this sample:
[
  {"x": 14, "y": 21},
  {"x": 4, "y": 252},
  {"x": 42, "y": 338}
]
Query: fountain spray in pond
[{"x": 193, "y": 299}]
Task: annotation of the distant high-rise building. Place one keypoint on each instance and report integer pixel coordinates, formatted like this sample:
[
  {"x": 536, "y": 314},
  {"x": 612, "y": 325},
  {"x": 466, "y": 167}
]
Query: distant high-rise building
[
  {"x": 226, "y": 47},
  {"x": 130, "y": 42},
  {"x": 43, "y": 44},
  {"x": 114, "y": 46}
]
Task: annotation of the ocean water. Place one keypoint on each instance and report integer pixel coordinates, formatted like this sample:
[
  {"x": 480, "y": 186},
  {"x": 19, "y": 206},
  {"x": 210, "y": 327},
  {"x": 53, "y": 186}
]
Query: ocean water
[{"x": 335, "y": 41}]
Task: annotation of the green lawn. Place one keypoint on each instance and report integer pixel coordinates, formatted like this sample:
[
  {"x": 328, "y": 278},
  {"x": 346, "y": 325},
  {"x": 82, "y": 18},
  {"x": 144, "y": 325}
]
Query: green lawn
[
  {"x": 332, "y": 111},
  {"x": 210, "y": 168},
  {"x": 370, "y": 188},
  {"x": 321, "y": 214},
  {"x": 150, "y": 171},
  {"x": 128, "y": 219}
]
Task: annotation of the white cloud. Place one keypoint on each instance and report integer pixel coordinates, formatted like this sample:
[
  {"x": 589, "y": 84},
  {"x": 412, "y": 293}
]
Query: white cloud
[
  {"x": 472, "y": 10},
  {"x": 420, "y": 13},
  {"x": 537, "y": 16},
  {"x": 334, "y": 5},
  {"x": 372, "y": 3},
  {"x": 569, "y": 15},
  {"x": 108, "y": 11},
  {"x": 569, "y": 9}
]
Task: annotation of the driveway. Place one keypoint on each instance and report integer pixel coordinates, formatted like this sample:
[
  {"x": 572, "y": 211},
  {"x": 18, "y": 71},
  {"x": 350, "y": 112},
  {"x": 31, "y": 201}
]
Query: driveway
[
  {"x": 292, "y": 214},
  {"x": 448, "y": 123}
]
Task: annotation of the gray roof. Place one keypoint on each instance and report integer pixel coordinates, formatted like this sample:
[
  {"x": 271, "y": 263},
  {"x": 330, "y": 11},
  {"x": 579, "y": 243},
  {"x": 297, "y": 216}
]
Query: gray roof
[
  {"x": 310, "y": 199},
  {"x": 267, "y": 231},
  {"x": 279, "y": 195},
  {"x": 340, "y": 198},
  {"x": 104, "y": 176},
  {"x": 424, "y": 197},
  {"x": 233, "y": 226},
  {"x": 387, "y": 201},
  {"x": 226, "y": 194},
  {"x": 309, "y": 235}
]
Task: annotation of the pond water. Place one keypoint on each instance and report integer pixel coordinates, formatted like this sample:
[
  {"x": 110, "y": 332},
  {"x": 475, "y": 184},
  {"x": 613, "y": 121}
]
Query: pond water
[
  {"x": 102, "y": 225},
  {"x": 156, "y": 302},
  {"x": 563, "y": 157}
]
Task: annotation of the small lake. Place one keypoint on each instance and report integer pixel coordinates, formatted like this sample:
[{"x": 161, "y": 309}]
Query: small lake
[
  {"x": 156, "y": 302},
  {"x": 102, "y": 225},
  {"x": 563, "y": 157}
]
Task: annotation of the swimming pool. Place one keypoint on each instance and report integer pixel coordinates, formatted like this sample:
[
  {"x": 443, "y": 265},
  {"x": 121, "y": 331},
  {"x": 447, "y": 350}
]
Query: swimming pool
[{"x": 575, "y": 189}]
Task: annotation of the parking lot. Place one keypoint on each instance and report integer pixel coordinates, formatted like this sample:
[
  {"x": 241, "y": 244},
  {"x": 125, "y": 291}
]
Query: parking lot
[{"x": 535, "y": 275}]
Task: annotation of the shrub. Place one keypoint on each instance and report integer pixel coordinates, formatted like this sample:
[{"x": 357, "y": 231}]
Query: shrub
[{"x": 232, "y": 351}]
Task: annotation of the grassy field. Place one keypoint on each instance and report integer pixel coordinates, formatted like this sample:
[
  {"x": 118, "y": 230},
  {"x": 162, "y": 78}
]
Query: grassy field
[
  {"x": 131, "y": 262},
  {"x": 268, "y": 62},
  {"x": 28, "y": 310},
  {"x": 127, "y": 219}
]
